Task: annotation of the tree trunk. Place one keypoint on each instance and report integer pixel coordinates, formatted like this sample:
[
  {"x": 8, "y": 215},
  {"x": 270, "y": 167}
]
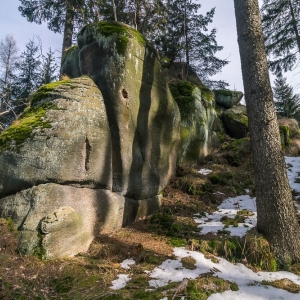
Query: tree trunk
[
  {"x": 187, "y": 53},
  {"x": 276, "y": 217},
  {"x": 295, "y": 25},
  {"x": 68, "y": 30}
]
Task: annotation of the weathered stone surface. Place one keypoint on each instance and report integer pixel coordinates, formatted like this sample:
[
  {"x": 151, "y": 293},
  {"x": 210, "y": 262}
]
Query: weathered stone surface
[
  {"x": 69, "y": 145},
  {"x": 290, "y": 136},
  {"x": 56, "y": 220},
  {"x": 70, "y": 64},
  {"x": 227, "y": 98},
  {"x": 238, "y": 152},
  {"x": 198, "y": 121},
  {"x": 143, "y": 117},
  {"x": 236, "y": 121},
  {"x": 76, "y": 163}
]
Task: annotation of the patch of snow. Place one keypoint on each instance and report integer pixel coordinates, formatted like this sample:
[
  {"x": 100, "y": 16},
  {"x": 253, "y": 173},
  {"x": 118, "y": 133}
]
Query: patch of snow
[
  {"x": 212, "y": 222},
  {"x": 249, "y": 282},
  {"x": 293, "y": 169},
  {"x": 247, "y": 191},
  {"x": 127, "y": 263},
  {"x": 204, "y": 171},
  {"x": 120, "y": 282},
  {"x": 219, "y": 193}
]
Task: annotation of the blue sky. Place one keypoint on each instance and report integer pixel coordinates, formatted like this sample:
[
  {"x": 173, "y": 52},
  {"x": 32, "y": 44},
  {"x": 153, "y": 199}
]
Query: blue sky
[{"x": 11, "y": 22}]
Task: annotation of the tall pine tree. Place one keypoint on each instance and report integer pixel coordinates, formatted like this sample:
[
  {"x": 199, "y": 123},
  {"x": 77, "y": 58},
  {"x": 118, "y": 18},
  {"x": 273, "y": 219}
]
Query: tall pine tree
[
  {"x": 281, "y": 27},
  {"x": 62, "y": 16},
  {"x": 286, "y": 102},
  {"x": 29, "y": 69},
  {"x": 187, "y": 39},
  {"x": 49, "y": 67},
  {"x": 8, "y": 80}
]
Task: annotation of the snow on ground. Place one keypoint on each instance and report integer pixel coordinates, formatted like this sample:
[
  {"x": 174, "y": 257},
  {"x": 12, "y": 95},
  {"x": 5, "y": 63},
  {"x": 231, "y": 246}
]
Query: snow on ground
[
  {"x": 293, "y": 168},
  {"x": 120, "y": 282},
  {"x": 204, "y": 171},
  {"x": 122, "y": 279},
  {"x": 127, "y": 263},
  {"x": 249, "y": 282},
  {"x": 229, "y": 208}
]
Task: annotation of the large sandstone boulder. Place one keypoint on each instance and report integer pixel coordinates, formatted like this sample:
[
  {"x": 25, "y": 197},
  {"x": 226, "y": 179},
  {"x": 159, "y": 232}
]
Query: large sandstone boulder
[
  {"x": 236, "y": 121},
  {"x": 198, "y": 121},
  {"x": 80, "y": 161},
  {"x": 227, "y": 98},
  {"x": 143, "y": 117},
  {"x": 64, "y": 138}
]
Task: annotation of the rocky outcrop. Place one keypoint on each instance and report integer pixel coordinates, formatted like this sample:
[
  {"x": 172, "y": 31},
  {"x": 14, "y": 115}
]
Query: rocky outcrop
[
  {"x": 198, "y": 121},
  {"x": 70, "y": 63},
  {"x": 143, "y": 117},
  {"x": 80, "y": 161},
  {"x": 227, "y": 98},
  {"x": 236, "y": 121},
  {"x": 290, "y": 136},
  {"x": 59, "y": 139}
]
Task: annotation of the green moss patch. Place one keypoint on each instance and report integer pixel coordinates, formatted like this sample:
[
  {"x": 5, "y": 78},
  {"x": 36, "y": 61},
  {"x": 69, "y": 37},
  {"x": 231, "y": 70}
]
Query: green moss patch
[
  {"x": 285, "y": 135},
  {"x": 206, "y": 94},
  {"x": 45, "y": 90},
  {"x": 15, "y": 135},
  {"x": 121, "y": 31},
  {"x": 239, "y": 117},
  {"x": 69, "y": 51}
]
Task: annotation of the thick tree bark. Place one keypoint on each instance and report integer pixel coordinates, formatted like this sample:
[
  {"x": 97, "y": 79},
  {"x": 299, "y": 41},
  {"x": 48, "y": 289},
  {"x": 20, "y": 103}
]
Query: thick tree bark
[
  {"x": 295, "y": 25},
  {"x": 276, "y": 217},
  {"x": 68, "y": 30}
]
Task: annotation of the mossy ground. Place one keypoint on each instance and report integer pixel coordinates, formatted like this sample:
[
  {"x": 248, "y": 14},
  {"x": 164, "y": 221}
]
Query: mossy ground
[{"x": 149, "y": 242}]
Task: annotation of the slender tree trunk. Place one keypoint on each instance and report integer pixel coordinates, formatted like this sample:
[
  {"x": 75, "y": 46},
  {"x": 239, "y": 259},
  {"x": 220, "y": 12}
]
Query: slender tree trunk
[
  {"x": 295, "y": 25},
  {"x": 276, "y": 217},
  {"x": 115, "y": 10},
  {"x": 187, "y": 54},
  {"x": 68, "y": 30}
]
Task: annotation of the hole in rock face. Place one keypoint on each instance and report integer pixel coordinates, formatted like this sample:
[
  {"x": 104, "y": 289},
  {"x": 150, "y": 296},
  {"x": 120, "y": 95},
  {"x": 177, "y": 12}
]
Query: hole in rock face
[{"x": 125, "y": 94}]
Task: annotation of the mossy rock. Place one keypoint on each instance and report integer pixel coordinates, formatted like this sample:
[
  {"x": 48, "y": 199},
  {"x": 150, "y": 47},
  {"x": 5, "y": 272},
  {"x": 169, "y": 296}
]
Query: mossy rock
[
  {"x": 227, "y": 98},
  {"x": 238, "y": 152},
  {"x": 236, "y": 121},
  {"x": 120, "y": 32}
]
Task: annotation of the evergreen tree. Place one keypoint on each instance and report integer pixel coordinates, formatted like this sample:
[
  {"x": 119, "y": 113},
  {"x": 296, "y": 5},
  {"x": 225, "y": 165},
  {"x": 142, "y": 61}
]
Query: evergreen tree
[
  {"x": 186, "y": 39},
  {"x": 62, "y": 16},
  {"x": 29, "y": 70},
  {"x": 276, "y": 215},
  {"x": 281, "y": 26},
  {"x": 48, "y": 69},
  {"x": 8, "y": 80},
  {"x": 286, "y": 102}
]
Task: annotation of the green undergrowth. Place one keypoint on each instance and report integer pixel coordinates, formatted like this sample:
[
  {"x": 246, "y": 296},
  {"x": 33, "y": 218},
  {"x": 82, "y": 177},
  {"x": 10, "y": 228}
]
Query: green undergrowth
[
  {"x": 178, "y": 230},
  {"x": 15, "y": 135},
  {"x": 284, "y": 284},
  {"x": 253, "y": 249}
]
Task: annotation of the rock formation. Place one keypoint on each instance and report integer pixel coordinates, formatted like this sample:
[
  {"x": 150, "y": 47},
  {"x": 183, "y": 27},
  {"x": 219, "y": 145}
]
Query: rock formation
[{"x": 92, "y": 153}]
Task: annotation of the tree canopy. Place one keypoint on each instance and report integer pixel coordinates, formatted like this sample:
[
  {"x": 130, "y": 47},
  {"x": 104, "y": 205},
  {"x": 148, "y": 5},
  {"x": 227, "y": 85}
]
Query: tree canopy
[{"x": 281, "y": 23}]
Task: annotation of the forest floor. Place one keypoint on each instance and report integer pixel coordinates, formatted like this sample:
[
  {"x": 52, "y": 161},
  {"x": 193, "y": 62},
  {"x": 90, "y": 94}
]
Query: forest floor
[{"x": 164, "y": 256}]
